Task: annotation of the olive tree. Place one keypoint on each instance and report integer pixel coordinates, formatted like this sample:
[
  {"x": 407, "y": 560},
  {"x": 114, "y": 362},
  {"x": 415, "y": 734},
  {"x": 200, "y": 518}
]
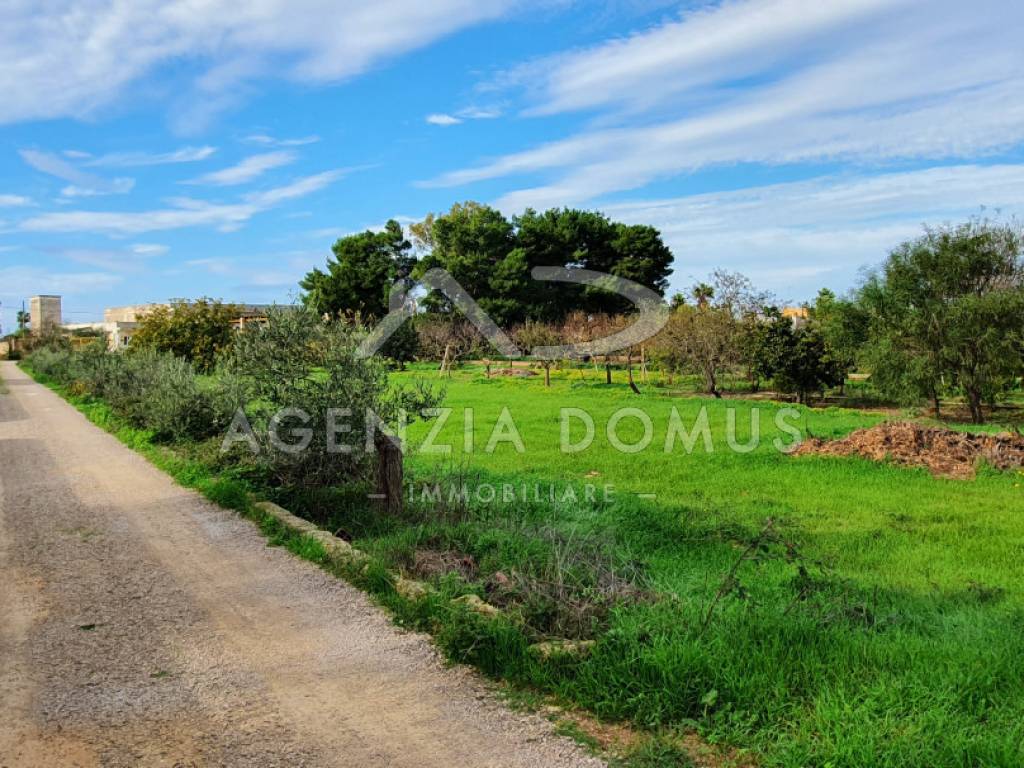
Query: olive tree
[{"x": 311, "y": 402}]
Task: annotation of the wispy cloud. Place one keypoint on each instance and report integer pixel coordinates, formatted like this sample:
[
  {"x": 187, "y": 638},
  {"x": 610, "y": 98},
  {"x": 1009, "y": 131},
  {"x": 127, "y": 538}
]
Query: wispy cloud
[
  {"x": 214, "y": 265},
  {"x": 82, "y": 184},
  {"x": 270, "y": 141},
  {"x": 138, "y": 159},
  {"x": 183, "y": 212},
  {"x": 439, "y": 118},
  {"x": 480, "y": 113},
  {"x": 797, "y": 236},
  {"x": 774, "y": 82},
  {"x": 149, "y": 249},
  {"x": 468, "y": 113},
  {"x": 80, "y": 55},
  {"x": 20, "y": 281},
  {"x": 14, "y": 201},
  {"x": 247, "y": 169}
]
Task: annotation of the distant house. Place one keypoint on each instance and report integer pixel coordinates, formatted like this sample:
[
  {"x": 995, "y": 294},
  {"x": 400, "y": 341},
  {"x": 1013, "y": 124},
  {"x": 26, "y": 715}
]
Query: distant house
[
  {"x": 120, "y": 323},
  {"x": 797, "y": 316}
]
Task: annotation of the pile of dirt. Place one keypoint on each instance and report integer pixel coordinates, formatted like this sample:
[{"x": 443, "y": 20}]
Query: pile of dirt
[
  {"x": 945, "y": 452},
  {"x": 518, "y": 373}
]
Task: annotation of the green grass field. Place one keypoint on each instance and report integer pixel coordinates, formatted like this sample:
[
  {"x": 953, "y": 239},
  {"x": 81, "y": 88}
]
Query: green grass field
[{"x": 878, "y": 621}]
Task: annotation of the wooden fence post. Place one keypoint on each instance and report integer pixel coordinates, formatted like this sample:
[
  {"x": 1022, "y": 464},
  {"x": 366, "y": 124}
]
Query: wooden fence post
[{"x": 389, "y": 473}]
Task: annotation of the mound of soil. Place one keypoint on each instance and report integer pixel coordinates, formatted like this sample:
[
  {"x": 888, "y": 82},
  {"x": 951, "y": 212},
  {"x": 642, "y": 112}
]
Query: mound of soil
[
  {"x": 517, "y": 373},
  {"x": 945, "y": 452}
]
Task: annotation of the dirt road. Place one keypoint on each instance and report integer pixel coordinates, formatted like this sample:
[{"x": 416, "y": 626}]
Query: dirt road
[{"x": 140, "y": 625}]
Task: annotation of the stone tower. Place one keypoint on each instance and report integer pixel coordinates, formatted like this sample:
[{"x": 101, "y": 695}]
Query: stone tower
[{"x": 45, "y": 314}]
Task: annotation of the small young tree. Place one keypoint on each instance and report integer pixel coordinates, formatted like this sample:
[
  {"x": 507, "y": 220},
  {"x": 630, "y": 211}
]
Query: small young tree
[
  {"x": 766, "y": 344},
  {"x": 197, "y": 331},
  {"x": 403, "y": 345},
  {"x": 706, "y": 336},
  {"x": 531, "y": 335},
  {"x": 843, "y": 325},
  {"x": 807, "y": 365},
  {"x": 667, "y": 349}
]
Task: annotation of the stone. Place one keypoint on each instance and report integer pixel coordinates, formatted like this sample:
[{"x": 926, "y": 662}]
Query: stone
[
  {"x": 562, "y": 649},
  {"x": 475, "y": 604},
  {"x": 411, "y": 589}
]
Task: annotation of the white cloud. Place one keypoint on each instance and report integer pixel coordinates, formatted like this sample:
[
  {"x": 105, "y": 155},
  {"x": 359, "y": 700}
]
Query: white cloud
[
  {"x": 706, "y": 47},
  {"x": 214, "y": 266},
  {"x": 466, "y": 113},
  {"x": 134, "y": 159},
  {"x": 183, "y": 212},
  {"x": 270, "y": 141},
  {"x": 119, "y": 186},
  {"x": 480, "y": 113},
  {"x": 247, "y": 170},
  {"x": 80, "y": 55},
  {"x": 439, "y": 118},
  {"x": 796, "y": 237},
  {"x": 14, "y": 201},
  {"x": 776, "y": 82},
  {"x": 149, "y": 249},
  {"x": 21, "y": 281},
  {"x": 82, "y": 183}
]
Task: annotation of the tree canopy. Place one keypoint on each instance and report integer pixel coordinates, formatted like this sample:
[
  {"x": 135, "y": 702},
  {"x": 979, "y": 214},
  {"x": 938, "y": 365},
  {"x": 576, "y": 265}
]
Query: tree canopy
[
  {"x": 360, "y": 273},
  {"x": 945, "y": 313},
  {"x": 492, "y": 256},
  {"x": 196, "y": 331}
]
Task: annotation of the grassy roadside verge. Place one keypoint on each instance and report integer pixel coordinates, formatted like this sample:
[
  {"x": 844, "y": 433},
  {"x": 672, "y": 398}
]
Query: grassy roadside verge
[{"x": 493, "y": 644}]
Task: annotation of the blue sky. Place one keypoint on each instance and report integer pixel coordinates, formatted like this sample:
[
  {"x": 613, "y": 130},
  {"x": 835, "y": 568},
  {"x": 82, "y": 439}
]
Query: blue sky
[{"x": 177, "y": 149}]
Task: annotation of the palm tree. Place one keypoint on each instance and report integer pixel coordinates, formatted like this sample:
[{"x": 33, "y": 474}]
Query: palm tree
[
  {"x": 24, "y": 318},
  {"x": 702, "y": 294}
]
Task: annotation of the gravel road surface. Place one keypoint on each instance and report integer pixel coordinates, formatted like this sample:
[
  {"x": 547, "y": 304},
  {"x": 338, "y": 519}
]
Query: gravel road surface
[{"x": 142, "y": 626}]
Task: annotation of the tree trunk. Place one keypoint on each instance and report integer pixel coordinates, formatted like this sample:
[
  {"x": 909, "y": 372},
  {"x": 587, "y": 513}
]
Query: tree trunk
[
  {"x": 629, "y": 372},
  {"x": 444, "y": 360},
  {"x": 936, "y": 406},
  {"x": 607, "y": 371},
  {"x": 974, "y": 403},
  {"x": 712, "y": 384},
  {"x": 389, "y": 473},
  {"x": 547, "y": 375}
]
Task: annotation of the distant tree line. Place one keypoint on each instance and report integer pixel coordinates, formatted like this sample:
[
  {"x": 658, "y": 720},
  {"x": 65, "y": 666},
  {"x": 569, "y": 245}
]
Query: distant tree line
[
  {"x": 491, "y": 257},
  {"x": 942, "y": 317}
]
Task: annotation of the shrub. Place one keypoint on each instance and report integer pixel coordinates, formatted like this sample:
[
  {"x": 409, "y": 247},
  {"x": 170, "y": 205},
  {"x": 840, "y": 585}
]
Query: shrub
[
  {"x": 151, "y": 390},
  {"x": 298, "y": 361},
  {"x": 197, "y": 331},
  {"x": 159, "y": 391}
]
